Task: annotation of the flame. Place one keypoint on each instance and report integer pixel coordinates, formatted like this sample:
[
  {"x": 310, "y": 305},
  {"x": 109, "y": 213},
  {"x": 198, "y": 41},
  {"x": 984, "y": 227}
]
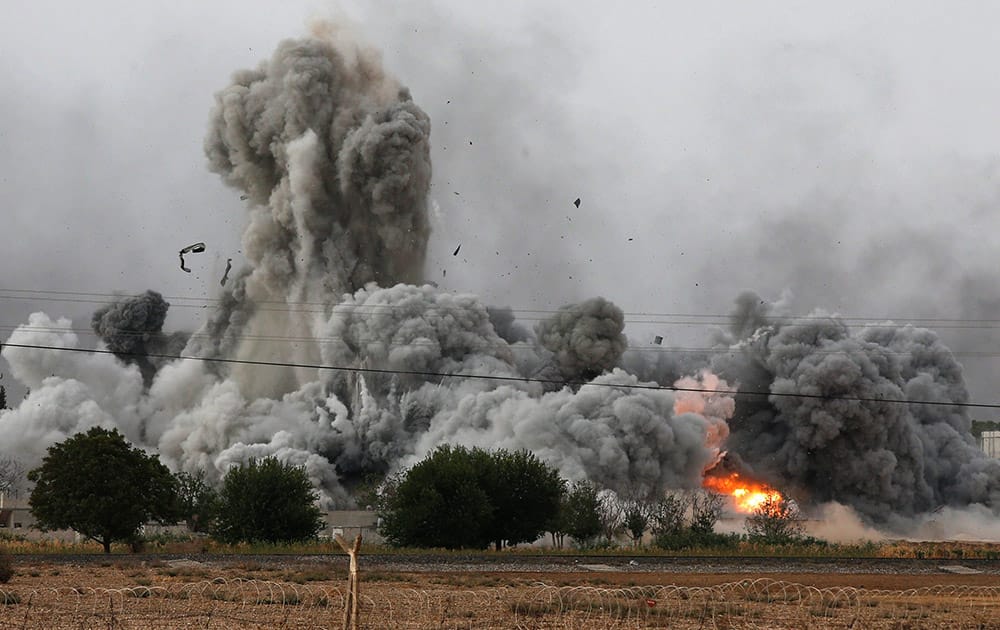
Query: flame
[{"x": 747, "y": 495}]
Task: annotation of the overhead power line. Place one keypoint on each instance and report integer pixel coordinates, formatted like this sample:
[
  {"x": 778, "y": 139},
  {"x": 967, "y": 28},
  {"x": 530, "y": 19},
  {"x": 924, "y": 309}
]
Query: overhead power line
[
  {"x": 511, "y": 379},
  {"x": 523, "y": 314},
  {"x": 711, "y": 350}
]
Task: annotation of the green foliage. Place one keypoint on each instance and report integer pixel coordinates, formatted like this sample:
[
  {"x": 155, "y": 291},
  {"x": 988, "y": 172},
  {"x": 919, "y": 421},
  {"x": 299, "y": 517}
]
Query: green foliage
[
  {"x": 197, "y": 502},
  {"x": 267, "y": 501},
  {"x": 98, "y": 485},
  {"x": 689, "y": 538},
  {"x": 979, "y": 426},
  {"x": 458, "y": 498},
  {"x": 524, "y": 494},
  {"x": 636, "y": 521},
  {"x": 775, "y": 521},
  {"x": 675, "y": 530},
  {"x": 580, "y": 514}
]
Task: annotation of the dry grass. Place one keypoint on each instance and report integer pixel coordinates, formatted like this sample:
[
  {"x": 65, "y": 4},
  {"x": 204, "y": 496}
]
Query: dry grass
[{"x": 254, "y": 595}]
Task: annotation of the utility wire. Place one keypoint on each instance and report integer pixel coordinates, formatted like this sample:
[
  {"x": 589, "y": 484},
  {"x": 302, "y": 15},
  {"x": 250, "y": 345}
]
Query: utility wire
[
  {"x": 87, "y": 332},
  {"x": 513, "y": 379},
  {"x": 683, "y": 318}
]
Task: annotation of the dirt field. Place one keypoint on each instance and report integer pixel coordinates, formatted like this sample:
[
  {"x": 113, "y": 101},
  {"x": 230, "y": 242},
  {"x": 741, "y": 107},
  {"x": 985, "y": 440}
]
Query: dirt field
[{"x": 294, "y": 593}]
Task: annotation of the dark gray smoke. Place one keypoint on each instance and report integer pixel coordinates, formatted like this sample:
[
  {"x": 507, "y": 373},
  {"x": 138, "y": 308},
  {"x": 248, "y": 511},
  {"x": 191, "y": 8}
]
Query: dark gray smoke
[
  {"x": 132, "y": 327},
  {"x": 338, "y": 154},
  {"x": 848, "y": 440},
  {"x": 586, "y": 339}
]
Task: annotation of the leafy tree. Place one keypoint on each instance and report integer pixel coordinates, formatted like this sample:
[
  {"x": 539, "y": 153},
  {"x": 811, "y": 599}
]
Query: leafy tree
[
  {"x": 636, "y": 520},
  {"x": 776, "y": 521},
  {"x": 580, "y": 511},
  {"x": 3, "y": 397},
  {"x": 437, "y": 503},
  {"x": 524, "y": 494},
  {"x": 98, "y": 485},
  {"x": 461, "y": 498},
  {"x": 197, "y": 502},
  {"x": 267, "y": 501}
]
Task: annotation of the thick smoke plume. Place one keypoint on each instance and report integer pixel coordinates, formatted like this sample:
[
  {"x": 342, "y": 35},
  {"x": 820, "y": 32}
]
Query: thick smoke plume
[
  {"x": 132, "y": 329},
  {"x": 834, "y": 424},
  {"x": 332, "y": 157},
  {"x": 379, "y": 368}
]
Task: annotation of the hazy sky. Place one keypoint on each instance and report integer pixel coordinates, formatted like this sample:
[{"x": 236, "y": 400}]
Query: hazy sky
[{"x": 845, "y": 154}]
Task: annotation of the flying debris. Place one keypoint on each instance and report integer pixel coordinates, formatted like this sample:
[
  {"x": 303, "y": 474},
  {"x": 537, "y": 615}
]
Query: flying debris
[
  {"x": 225, "y": 276},
  {"x": 577, "y": 202},
  {"x": 196, "y": 248},
  {"x": 335, "y": 158}
]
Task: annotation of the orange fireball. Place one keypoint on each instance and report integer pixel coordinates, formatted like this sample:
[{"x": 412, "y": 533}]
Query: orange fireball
[{"x": 747, "y": 495}]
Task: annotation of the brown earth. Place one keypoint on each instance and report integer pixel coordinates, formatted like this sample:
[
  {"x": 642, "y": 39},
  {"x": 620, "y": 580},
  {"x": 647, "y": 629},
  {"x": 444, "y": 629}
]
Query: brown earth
[{"x": 234, "y": 593}]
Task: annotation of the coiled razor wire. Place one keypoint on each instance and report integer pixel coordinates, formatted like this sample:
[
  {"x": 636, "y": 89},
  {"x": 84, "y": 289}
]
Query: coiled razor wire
[{"x": 248, "y": 604}]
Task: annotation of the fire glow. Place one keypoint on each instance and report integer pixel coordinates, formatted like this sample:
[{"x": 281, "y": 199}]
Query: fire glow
[{"x": 747, "y": 495}]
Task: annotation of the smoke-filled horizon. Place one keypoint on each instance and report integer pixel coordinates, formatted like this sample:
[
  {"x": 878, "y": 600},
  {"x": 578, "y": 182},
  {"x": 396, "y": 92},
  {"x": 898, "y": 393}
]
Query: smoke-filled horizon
[{"x": 330, "y": 158}]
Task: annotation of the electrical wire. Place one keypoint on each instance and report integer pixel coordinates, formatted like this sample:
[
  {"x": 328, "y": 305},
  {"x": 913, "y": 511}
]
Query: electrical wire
[{"x": 517, "y": 379}]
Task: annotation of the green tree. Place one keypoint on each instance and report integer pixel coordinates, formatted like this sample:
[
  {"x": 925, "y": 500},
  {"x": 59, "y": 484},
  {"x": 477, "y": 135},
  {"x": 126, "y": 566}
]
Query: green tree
[
  {"x": 437, "y": 503},
  {"x": 581, "y": 516},
  {"x": 461, "y": 498},
  {"x": 267, "y": 501},
  {"x": 98, "y": 485},
  {"x": 523, "y": 492},
  {"x": 197, "y": 502}
]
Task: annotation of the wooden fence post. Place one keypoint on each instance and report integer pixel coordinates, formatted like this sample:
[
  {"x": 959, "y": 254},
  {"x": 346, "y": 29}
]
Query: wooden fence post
[{"x": 351, "y": 603}]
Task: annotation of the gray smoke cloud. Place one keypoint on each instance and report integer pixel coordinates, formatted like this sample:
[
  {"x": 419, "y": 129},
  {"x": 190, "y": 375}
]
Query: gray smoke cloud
[
  {"x": 829, "y": 425},
  {"x": 333, "y": 158},
  {"x": 331, "y": 155},
  {"x": 361, "y": 367},
  {"x": 586, "y": 339},
  {"x": 131, "y": 327}
]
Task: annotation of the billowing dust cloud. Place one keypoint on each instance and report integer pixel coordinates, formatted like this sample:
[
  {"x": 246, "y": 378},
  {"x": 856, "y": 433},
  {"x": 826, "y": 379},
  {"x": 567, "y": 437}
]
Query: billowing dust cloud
[{"x": 378, "y": 367}]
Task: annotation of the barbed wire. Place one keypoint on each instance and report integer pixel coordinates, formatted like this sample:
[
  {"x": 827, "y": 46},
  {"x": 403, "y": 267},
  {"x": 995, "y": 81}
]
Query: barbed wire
[{"x": 249, "y": 603}]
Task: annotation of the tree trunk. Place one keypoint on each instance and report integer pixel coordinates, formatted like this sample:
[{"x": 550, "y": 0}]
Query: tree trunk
[
  {"x": 499, "y": 544},
  {"x": 107, "y": 545}
]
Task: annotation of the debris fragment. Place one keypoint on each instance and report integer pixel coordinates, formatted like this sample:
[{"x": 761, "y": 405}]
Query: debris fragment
[
  {"x": 196, "y": 248},
  {"x": 577, "y": 202},
  {"x": 225, "y": 276},
  {"x": 243, "y": 197},
  {"x": 444, "y": 273},
  {"x": 455, "y": 253},
  {"x": 658, "y": 340}
]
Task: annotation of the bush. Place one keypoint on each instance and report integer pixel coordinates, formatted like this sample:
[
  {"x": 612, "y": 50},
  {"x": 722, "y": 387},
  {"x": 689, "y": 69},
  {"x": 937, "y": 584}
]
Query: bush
[
  {"x": 688, "y": 538},
  {"x": 6, "y": 568},
  {"x": 267, "y": 501},
  {"x": 460, "y": 498}
]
